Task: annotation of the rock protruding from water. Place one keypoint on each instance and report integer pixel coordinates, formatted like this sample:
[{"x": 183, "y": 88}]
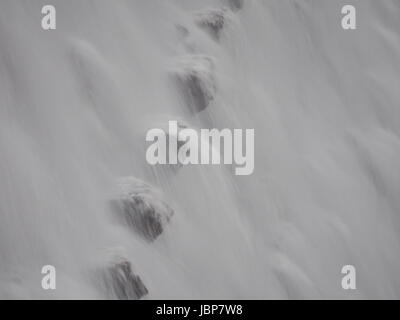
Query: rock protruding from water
[
  {"x": 142, "y": 208},
  {"x": 121, "y": 283},
  {"x": 212, "y": 21},
  {"x": 194, "y": 75},
  {"x": 236, "y": 5}
]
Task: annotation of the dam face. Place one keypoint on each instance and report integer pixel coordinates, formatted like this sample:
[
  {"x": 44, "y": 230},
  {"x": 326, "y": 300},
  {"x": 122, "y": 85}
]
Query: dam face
[{"x": 78, "y": 96}]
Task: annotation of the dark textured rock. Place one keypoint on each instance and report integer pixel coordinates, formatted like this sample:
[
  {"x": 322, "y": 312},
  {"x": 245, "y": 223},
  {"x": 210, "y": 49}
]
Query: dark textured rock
[
  {"x": 212, "y": 21},
  {"x": 121, "y": 283},
  {"x": 194, "y": 76},
  {"x": 236, "y": 5},
  {"x": 142, "y": 208}
]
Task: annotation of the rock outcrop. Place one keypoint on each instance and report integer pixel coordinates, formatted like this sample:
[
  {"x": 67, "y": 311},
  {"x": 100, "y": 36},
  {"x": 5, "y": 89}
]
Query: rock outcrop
[
  {"x": 194, "y": 76},
  {"x": 120, "y": 282},
  {"x": 212, "y": 21},
  {"x": 142, "y": 208},
  {"x": 236, "y": 5}
]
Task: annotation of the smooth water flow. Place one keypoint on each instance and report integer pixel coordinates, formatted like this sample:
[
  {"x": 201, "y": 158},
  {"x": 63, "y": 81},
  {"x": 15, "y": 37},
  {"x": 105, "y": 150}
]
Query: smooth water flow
[{"x": 76, "y": 104}]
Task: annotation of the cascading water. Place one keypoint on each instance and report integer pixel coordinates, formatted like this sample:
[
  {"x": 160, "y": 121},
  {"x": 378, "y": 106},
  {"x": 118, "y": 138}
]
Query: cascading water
[{"x": 75, "y": 105}]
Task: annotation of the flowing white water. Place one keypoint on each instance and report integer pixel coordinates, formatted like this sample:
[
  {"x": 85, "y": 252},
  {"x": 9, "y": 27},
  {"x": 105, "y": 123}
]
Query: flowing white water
[{"x": 75, "y": 104}]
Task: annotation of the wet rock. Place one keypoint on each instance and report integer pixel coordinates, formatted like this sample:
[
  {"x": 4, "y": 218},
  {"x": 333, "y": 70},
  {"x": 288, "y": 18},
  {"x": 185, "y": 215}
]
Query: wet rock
[
  {"x": 142, "y": 208},
  {"x": 194, "y": 76},
  {"x": 236, "y": 5},
  {"x": 120, "y": 282},
  {"x": 212, "y": 21}
]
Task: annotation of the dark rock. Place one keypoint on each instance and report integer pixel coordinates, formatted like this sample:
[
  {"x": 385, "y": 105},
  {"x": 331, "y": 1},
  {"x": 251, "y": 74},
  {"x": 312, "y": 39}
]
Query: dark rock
[
  {"x": 141, "y": 207},
  {"x": 236, "y": 5},
  {"x": 121, "y": 283},
  {"x": 212, "y": 21},
  {"x": 194, "y": 75}
]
